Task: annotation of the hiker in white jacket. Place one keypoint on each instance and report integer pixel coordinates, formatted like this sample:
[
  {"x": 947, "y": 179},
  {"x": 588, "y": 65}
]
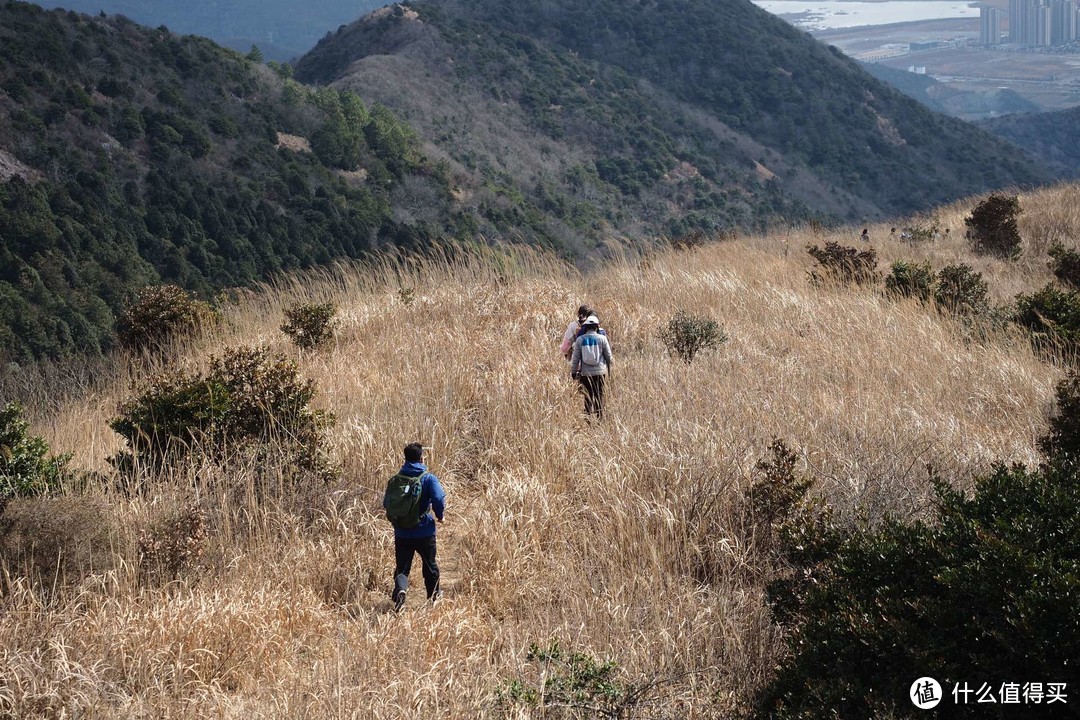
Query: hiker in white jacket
[{"x": 590, "y": 363}]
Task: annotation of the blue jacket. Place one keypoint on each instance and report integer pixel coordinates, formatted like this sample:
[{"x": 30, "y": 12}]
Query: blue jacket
[{"x": 432, "y": 498}]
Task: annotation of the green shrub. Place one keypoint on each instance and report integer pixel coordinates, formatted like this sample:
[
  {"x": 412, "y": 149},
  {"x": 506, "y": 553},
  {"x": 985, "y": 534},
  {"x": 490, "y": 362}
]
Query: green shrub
[
  {"x": 576, "y": 685},
  {"x": 686, "y": 335},
  {"x": 992, "y": 228},
  {"x": 986, "y": 589},
  {"x": 26, "y": 468},
  {"x": 919, "y": 234},
  {"x": 910, "y": 280},
  {"x": 779, "y": 492},
  {"x": 247, "y": 398},
  {"x": 309, "y": 325},
  {"x": 159, "y": 313},
  {"x": 1052, "y": 315},
  {"x": 960, "y": 289},
  {"x": 785, "y": 521},
  {"x": 844, "y": 265},
  {"x": 1061, "y": 446},
  {"x": 1065, "y": 264}
]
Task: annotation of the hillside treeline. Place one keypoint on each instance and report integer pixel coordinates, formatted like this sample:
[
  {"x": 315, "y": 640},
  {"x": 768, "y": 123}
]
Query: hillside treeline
[{"x": 137, "y": 156}]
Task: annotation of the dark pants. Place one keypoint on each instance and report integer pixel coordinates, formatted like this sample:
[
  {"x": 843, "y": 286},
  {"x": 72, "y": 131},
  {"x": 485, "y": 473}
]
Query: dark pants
[
  {"x": 593, "y": 388},
  {"x": 403, "y": 555}
]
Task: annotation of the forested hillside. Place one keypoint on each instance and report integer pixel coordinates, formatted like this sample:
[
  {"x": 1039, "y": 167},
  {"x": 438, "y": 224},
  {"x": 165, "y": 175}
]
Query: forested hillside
[
  {"x": 131, "y": 156},
  {"x": 556, "y": 145},
  {"x": 766, "y": 94},
  {"x": 1052, "y": 137}
]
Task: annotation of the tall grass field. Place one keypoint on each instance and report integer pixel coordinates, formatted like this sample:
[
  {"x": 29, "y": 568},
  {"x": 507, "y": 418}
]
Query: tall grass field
[{"x": 612, "y": 559}]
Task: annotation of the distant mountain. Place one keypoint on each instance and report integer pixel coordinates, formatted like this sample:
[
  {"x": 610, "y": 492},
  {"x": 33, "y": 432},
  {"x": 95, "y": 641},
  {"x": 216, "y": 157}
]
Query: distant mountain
[
  {"x": 131, "y": 156},
  {"x": 1052, "y": 137},
  {"x": 551, "y": 144},
  {"x": 944, "y": 98},
  {"x": 712, "y": 110},
  {"x": 282, "y": 29}
]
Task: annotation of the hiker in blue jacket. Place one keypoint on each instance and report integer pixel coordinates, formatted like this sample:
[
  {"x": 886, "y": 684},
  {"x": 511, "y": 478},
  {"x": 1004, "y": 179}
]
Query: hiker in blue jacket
[{"x": 416, "y": 534}]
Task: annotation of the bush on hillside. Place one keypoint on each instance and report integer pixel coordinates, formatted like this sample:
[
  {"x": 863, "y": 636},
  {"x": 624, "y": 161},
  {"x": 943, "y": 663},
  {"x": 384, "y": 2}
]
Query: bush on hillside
[
  {"x": 960, "y": 289},
  {"x": 779, "y": 491},
  {"x": 58, "y": 540},
  {"x": 918, "y": 234},
  {"x": 26, "y": 467},
  {"x": 843, "y": 265},
  {"x": 956, "y": 288},
  {"x": 1062, "y": 444},
  {"x": 309, "y": 325},
  {"x": 985, "y": 589},
  {"x": 784, "y": 516},
  {"x": 910, "y": 280},
  {"x": 686, "y": 335},
  {"x": 248, "y": 400},
  {"x": 572, "y": 684},
  {"x": 158, "y": 313},
  {"x": 172, "y": 544},
  {"x": 1065, "y": 264},
  {"x": 992, "y": 228},
  {"x": 1052, "y": 315}
]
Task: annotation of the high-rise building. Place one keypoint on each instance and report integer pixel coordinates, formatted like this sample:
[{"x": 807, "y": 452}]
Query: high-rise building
[
  {"x": 990, "y": 25},
  {"x": 1037, "y": 22},
  {"x": 1016, "y": 32},
  {"x": 1044, "y": 25},
  {"x": 1064, "y": 21}
]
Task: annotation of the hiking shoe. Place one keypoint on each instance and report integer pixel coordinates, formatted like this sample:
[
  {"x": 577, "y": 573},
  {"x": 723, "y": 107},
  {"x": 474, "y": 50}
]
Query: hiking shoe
[
  {"x": 436, "y": 596},
  {"x": 399, "y": 600}
]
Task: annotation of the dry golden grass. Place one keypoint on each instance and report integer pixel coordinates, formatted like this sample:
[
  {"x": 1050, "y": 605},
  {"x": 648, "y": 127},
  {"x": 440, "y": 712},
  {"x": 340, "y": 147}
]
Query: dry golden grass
[{"x": 625, "y": 539}]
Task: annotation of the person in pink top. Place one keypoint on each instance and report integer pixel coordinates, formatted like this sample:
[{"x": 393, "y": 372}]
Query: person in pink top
[{"x": 567, "y": 346}]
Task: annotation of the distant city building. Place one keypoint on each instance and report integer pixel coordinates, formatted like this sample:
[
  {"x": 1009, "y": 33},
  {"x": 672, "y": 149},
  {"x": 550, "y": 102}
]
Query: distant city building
[
  {"x": 917, "y": 69},
  {"x": 1043, "y": 22},
  {"x": 1064, "y": 22},
  {"x": 989, "y": 26},
  {"x": 1039, "y": 23}
]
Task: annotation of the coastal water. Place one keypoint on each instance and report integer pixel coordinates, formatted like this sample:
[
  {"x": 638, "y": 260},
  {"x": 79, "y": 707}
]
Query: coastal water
[{"x": 831, "y": 14}]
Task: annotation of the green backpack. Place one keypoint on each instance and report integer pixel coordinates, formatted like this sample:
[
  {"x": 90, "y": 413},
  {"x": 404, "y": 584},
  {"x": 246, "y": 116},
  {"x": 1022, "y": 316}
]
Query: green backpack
[{"x": 402, "y": 500}]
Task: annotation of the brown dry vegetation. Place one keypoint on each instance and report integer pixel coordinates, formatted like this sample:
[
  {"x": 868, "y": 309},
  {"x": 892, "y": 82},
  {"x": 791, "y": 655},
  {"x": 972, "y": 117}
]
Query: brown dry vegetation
[{"x": 625, "y": 540}]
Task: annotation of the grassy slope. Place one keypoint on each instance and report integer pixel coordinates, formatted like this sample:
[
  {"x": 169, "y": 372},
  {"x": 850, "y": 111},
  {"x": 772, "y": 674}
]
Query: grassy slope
[{"x": 554, "y": 528}]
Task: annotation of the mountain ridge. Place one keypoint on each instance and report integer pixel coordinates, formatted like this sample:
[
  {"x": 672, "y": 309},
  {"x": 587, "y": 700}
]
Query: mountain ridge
[{"x": 875, "y": 151}]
